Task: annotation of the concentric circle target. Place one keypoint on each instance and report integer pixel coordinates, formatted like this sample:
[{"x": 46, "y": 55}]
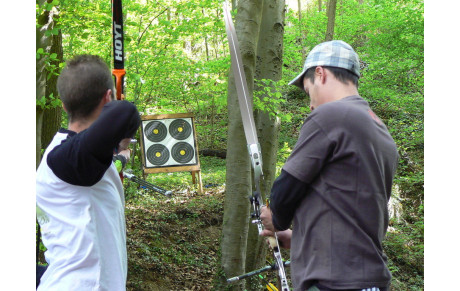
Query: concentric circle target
[
  {"x": 156, "y": 131},
  {"x": 157, "y": 154},
  {"x": 180, "y": 129},
  {"x": 182, "y": 152}
]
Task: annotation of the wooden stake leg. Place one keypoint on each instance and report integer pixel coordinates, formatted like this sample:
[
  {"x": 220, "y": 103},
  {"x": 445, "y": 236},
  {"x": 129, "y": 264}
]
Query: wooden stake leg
[{"x": 200, "y": 183}]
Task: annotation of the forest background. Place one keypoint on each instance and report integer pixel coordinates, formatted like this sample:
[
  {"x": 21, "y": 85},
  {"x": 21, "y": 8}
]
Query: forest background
[{"x": 395, "y": 71}]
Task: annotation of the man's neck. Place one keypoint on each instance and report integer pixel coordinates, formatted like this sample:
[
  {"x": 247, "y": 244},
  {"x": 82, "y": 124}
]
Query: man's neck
[
  {"x": 78, "y": 126},
  {"x": 83, "y": 123},
  {"x": 342, "y": 91}
]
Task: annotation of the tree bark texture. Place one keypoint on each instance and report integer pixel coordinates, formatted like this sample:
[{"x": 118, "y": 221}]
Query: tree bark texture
[
  {"x": 48, "y": 121},
  {"x": 41, "y": 41},
  {"x": 268, "y": 66},
  {"x": 331, "y": 8},
  {"x": 239, "y": 179},
  {"x": 52, "y": 117},
  {"x": 301, "y": 34}
]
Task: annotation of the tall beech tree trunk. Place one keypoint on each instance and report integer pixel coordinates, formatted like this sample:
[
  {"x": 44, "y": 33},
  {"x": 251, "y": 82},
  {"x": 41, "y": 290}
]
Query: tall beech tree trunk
[
  {"x": 234, "y": 3},
  {"x": 331, "y": 8},
  {"x": 40, "y": 81},
  {"x": 259, "y": 27},
  {"x": 52, "y": 117},
  {"x": 239, "y": 175},
  {"x": 268, "y": 66},
  {"x": 47, "y": 120}
]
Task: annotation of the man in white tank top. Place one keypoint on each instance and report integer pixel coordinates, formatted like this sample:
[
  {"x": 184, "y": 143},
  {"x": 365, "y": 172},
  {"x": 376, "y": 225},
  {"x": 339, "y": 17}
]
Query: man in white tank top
[{"x": 80, "y": 198}]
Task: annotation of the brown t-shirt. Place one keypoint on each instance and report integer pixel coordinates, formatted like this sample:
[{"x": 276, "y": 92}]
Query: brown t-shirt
[{"x": 347, "y": 159}]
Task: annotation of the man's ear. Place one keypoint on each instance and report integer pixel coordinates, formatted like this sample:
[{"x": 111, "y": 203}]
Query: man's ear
[
  {"x": 321, "y": 73},
  {"x": 107, "y": 97}
]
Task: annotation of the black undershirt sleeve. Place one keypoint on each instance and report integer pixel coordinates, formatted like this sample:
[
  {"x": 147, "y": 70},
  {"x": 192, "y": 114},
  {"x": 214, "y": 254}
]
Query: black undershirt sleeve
[
  {"x": 83, "y": 158},
  {"x": 286, "y": 194}
]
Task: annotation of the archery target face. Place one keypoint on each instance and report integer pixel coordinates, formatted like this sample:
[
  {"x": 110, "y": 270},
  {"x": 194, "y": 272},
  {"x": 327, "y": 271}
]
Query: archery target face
[{"x": 169, "y": 142}]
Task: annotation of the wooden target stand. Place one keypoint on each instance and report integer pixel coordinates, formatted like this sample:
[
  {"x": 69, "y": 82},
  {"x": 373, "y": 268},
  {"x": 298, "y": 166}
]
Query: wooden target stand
[{"x": 171, "y": 135}]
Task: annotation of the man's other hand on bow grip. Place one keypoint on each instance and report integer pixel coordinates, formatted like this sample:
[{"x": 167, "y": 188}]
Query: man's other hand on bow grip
[{"x": 284, "y": 237}]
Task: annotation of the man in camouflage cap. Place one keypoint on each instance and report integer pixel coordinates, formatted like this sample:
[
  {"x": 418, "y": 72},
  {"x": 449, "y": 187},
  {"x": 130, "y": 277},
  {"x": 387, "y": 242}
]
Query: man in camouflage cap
[{"x": 335, "y": 185}]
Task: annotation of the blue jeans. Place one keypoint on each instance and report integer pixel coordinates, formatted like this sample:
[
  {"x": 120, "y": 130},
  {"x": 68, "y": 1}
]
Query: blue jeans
[
  {"x": 318, "y": 287},
  {"x": 40, "y": 271}
]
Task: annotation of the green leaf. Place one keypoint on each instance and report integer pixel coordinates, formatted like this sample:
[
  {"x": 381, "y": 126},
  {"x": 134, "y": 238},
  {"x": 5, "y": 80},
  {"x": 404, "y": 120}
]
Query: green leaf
[
  {"x": 41, "y": 102},
  {"x": 40, "y": 52},
  {"x": 55, "y": 103}
]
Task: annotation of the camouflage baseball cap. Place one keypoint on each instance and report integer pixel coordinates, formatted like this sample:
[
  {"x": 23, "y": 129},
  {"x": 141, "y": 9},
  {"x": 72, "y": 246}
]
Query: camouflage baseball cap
[{"x": 335, "y": 53}]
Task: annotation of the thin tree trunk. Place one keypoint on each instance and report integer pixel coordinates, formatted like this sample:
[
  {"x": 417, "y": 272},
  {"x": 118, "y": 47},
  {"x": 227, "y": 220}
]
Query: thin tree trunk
[
  {"x": 238, "y": 179},
  {"x": 299, "y": 6},
  {"x": 213, "y": 114},
  {"x": 206, "y": 42},
  {"x": 301, "y": 35},
  {"x": 331, "y": 8}
]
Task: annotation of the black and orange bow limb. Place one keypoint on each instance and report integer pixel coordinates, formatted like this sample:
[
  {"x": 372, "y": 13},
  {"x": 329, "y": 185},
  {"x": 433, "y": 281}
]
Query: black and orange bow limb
[
  {"x": 118, "y": 70},
  {"x": 118, "y": 48}
]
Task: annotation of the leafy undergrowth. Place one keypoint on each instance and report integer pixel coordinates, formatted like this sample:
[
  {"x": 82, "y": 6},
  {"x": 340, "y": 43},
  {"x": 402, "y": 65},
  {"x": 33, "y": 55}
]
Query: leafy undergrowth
[
  {"x": 173, "y": 242},
  {"x": 404, "y": 245}
]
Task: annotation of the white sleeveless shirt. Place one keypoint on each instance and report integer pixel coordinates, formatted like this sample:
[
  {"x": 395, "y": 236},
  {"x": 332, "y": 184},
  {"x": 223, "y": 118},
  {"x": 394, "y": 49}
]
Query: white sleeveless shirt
[{"x": 83, "y": 229}]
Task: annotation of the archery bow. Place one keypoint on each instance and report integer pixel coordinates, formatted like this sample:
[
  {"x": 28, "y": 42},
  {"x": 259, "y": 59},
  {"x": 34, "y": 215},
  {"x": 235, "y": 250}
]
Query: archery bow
[
  {"x": 251, "y": 138},
  {"x": 261, "y": 270},
  {"x": 118, "y": 48},
  {"x": 118, "y": 70}
]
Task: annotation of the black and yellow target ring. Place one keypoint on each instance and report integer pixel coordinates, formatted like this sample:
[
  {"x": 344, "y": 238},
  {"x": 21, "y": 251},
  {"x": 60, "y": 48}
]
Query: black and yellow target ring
[
  {"x": 155, "y": 131},
  {"x": 180, "y": 129},
  {"x": 182, "y": 152},
  {"x": 158, "y": 154}
]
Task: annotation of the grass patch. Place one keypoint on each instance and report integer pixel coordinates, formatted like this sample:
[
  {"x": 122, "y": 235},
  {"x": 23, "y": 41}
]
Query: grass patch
[{"x": 173, "y": 242}]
